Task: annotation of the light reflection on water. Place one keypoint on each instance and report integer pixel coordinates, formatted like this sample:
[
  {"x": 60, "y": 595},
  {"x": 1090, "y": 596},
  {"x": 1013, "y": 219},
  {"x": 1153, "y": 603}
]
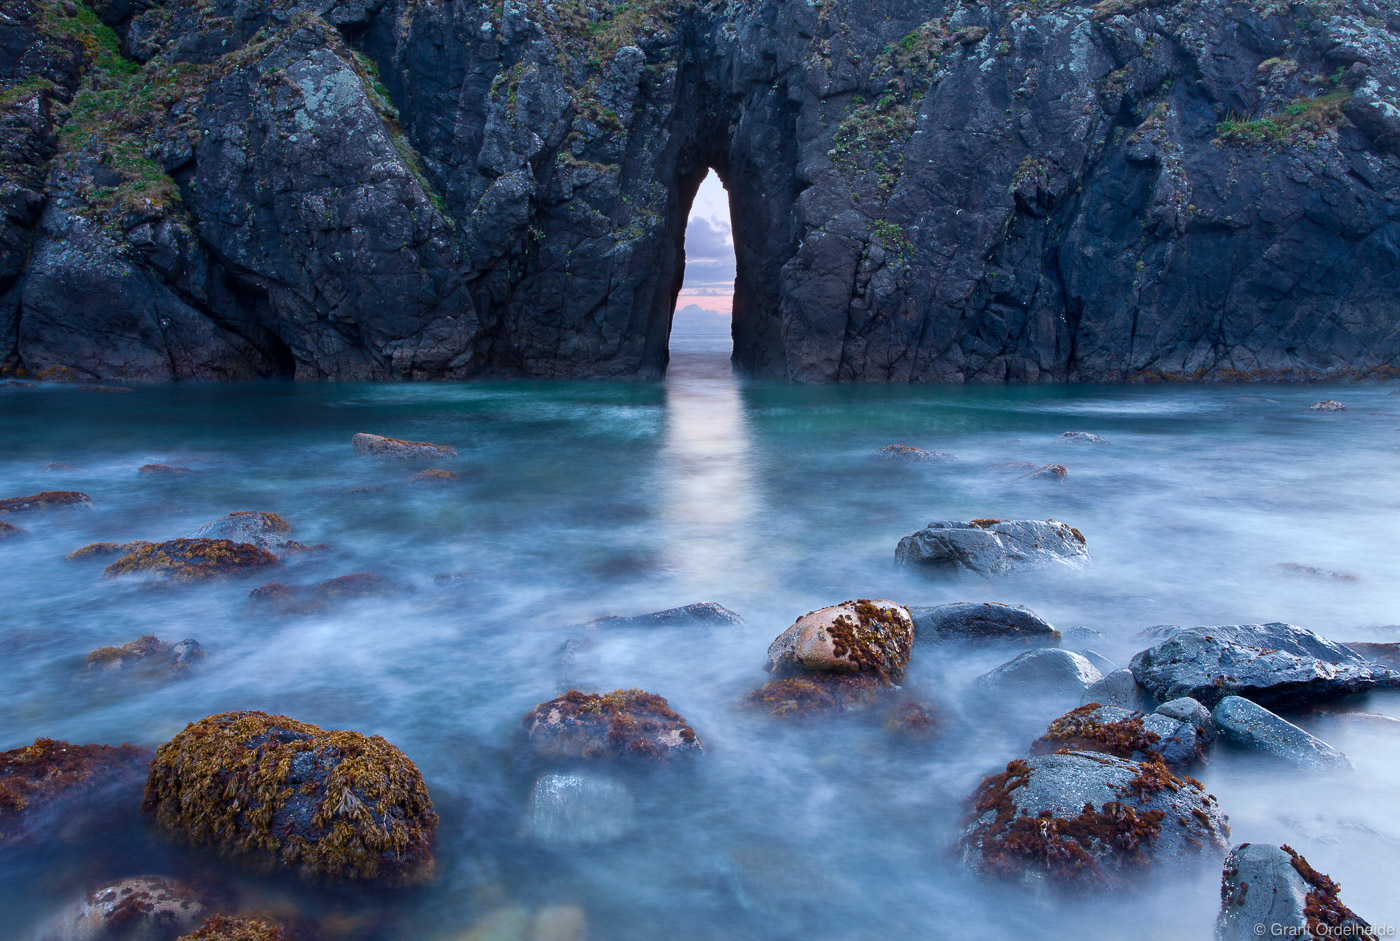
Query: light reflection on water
[{"x": 583, "y": 499}]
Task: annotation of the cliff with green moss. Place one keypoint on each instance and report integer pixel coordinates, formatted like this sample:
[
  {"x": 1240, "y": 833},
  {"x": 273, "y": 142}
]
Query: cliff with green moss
[{"x": 1005, "y": 191}]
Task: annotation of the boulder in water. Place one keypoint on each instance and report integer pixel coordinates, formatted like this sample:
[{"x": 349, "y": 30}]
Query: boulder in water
[
  {"x": 301, "y": 600},
  {"x": 810, "y": 693},
  {"x": 1083, "y": 437},
  {"x": 1386, "y": 654},
  {"x": 1088, "y": 819},
  {"x": 992, "y": 546},
  {"x": 379, "y": 446},
  {"x": 1273, "y": 664},
  {"x": 51, "y": 783},
  {"x": 1251, "y": 726},
  {"x": 699, "y": 614},
  {"x": 1057, "y": 676},
  {"x": 1271, "y": 892},
  {"x": 874, "y": 638},
  {"x": 578, "y": 809},
  {"x": 628, "y": 723},
  {"x": 145, "y": 908},
  {"x": 163, "y": 470},
  {"x": 10, "y": 530},
  {"x": 98, "y": 550},
  {"x": 250, "y": 527},
  {"x": 333, "y": 806},
  {"x": 983, "y": 621},
  {"x": 48, "y": 500},
  {"x": 227, "y": 928},
  {"x": 914, "y": 719},
  {"x": 1179, "y": 735},
  {"x": 905, "y": 454},
  {"x": 1047, "y": 472},
  {"x": 434, "y": 476},
  {"x": 147, "y": 654},
  {"x": 1328, "y": 405},
  {"x": 188, "y": 560},
  {"x": 1118, "y": 688}
]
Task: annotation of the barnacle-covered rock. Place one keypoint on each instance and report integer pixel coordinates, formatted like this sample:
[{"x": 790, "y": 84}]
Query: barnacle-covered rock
[
  {"x": 49, "y": 499},
  {"x": 874, "y": 638},
  {"x": 626, "y": 723},
  {"x": 145, "y": 908},
  {"x": 52, "y": 783},
  {"x": 187, "y": 560},
  {"x": 1089, "y": 820},
  {"x": 379, "y": 446},
  {"x": 332, "y": 806},
  {"x": 148, "y": 654}
]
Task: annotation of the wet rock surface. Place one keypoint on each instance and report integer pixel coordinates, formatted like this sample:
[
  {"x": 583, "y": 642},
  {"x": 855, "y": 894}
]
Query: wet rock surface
[
  {"x": 285, "y": 599},
  {"x": 1271, "y": 892},
  {"x": 9, "y": 531},
  {"x": 51, "y": 784},
  {"x": 1179, "y": 733},
  {"x": 1118, "y": 688},
  {"x": 1088, "y": 820},
  {"x": 511, "y": 202},
  {"x": 249, "y": 527},
  {"x": 48, "y": 500},
  {"x": 700, "y": 614},
  {"x": 903, "y": 453},
  {"x": 1273, "y": 664},
  {"x": 147, "y": 654},
  {"x": 1251, "y": 726},
  {"x": 332, "y": 806},
  {"x": 979, "y": 622},
  {"x": 1056, "y": 677},
  {"x": 144, "y": 908},
  {"x": 227, "y": 928},
  {"x": 191, "y": 560},
  {"x": 871, "y": 638},
  {"x": 380, "y": 446},
  {"x": 621, "y": 724},
  {"x": 992, "y": 546}
]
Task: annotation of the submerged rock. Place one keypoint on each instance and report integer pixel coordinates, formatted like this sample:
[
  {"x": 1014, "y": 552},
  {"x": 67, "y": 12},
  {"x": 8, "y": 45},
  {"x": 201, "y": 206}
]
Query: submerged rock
[
  {"x": 1179, "y": 734},
  {"x": 379, "y": 446},
  {"x": 983, "y": 621},
  {"x": 1089, "y": 820},
  {"x": 188, "y": 560},
  {"x": 914, "y": 719},
  {"x": 10, "y": 531},
  {"x": 147, "y": 653},
  {"x": 51, "y": 783},
  {"x": 1056, "y": 676},
  {"x": 1329, "y": 405},
  {"x": 250, "y": 527},
  {"x": 1272, "y": 892},
  {"x": 699, "y": 614},
  {"x": 1312, "y": 571},
  {"x": 622, "y": 724},
  {"x": 905, "y": 454},
  {"x": 1047, "y": 472},
  {"x": 993, "y": 547},
  {"x": 1273, "y": 664},
  {"x": 227, "y": 928},
  {"x": 811, "y": 693},
  {"x": 1118, "y": 688},
  {"x": 97, "y": 550},
  {"x": 434, "y": 476},
  {"x": 874, "y": 638},
  {"x": 298, "y": 599},
  {"x": 578, "y": 810},
  {"x": 332, "y": 806},
  {"x": 145, "y": 908},
  {"x": 163, "y": 470},
  {"x": 1249, "y": 725},
  {"x": 1083, "y": 437},
  {"x": 1386, "y": 654},
  {"x": 48, "y": 500}
]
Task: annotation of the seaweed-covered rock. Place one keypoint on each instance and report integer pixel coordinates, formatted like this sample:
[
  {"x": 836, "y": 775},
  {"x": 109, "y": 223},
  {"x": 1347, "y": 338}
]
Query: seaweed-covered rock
[
  {"x": 9, "y": 531},
  {"x": 992, "y": 546},
  {"x": 699, "y": 614},
  {"x": 228, "y": 928},
  {"x": 1046, "y": 673},
  {"x": 188, "y": 560},
  {"x": 914, "y": 719},
  {"x": 810, "y": 693},
  {"x": 434, "y": 476},
  {"x": 1251, "y": 726},
  {"x": 1179, "y": 734},
  {"x": 145, "y": 908},
  {"x": 298, "y": 599},
  {"x": 48, "y": 500},
  {"x": 622, "y": 724},
  {"x": 336, "y": 806},
  {"x": 1088, "y": 819},
  {"x": 1273, "y": 664},
  {"x": 163, "y": 470},
  {"x": 147, "y": 654},
  {"x": 578, "y": 809},
  {"x": 983, "y": 621},
  {"x": 249, "y": 527},
  {"x": 905, "y": 454},
  {"x": 98, "y": 550},
  {"x": 874, "y": 638},
  {"x": 379, "y": 446},
  {"x": 52, "y": 783},
  {"x": 1271, "y": 892}
]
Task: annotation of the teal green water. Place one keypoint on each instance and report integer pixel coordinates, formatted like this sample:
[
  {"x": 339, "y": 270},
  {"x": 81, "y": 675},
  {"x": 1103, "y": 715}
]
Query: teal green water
[{"x": 583, "y": 499}]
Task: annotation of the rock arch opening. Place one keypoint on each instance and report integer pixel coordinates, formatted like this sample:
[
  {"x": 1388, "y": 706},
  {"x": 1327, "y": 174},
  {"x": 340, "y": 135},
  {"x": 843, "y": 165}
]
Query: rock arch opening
[{"x": 702, "y": 314}]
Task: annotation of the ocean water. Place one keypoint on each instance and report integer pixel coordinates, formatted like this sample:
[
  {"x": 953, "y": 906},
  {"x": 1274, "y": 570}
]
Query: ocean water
[{"x": 584, "y": 499}]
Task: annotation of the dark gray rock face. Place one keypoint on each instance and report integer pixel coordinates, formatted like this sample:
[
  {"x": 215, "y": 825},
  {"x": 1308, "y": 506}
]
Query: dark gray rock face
[
  {"x": 920, "y": 191},
  {"x": 699, "y": 614},
  {"x": 1179, "y": 733},
  {"x": 1251, "y": 726},
  {"x": 1271, "y": 891},
  {"x": 981, "y": 621},
  {"x": 1273, "y": 664},
  {"x": 993, "y": 547},
  {"x": 1047, "y": 674},
  {"x": 1118, "y": 688},
  {"x": 1088, "y": 819}
]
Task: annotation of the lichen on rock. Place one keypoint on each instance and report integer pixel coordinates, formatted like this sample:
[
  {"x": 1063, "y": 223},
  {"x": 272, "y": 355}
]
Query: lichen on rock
[
  {"x": 874, "y": 638},
  {"x": 188, "y": 560},
  {"x": 333, "y": 806}
]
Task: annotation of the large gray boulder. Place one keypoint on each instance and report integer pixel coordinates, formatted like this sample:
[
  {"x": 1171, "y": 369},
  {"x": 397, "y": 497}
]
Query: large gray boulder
[
  {"x": 1273, "y": 664},
  {"x": 983, "y": 621},
  {"x": 1083, "y": 818},
  {"x": 1049, "y": 674},
  {"x": 1271, "y": 892},
  {"x": 1251, "y": 726},
  {"x": 993, "y": 547}
]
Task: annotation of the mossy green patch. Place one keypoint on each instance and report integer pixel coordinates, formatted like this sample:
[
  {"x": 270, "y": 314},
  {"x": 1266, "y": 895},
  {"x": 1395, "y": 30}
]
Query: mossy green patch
[{"x": 1300, "y": 120}]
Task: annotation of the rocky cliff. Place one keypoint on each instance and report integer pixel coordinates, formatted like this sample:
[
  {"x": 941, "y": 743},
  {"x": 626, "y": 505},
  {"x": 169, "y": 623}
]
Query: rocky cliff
[{"x": 921, "y": 191}]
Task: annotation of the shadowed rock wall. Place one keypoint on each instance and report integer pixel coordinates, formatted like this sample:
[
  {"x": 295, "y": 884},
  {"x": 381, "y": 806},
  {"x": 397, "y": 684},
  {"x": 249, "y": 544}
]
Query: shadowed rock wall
[{"x": 920, "y": 191}]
